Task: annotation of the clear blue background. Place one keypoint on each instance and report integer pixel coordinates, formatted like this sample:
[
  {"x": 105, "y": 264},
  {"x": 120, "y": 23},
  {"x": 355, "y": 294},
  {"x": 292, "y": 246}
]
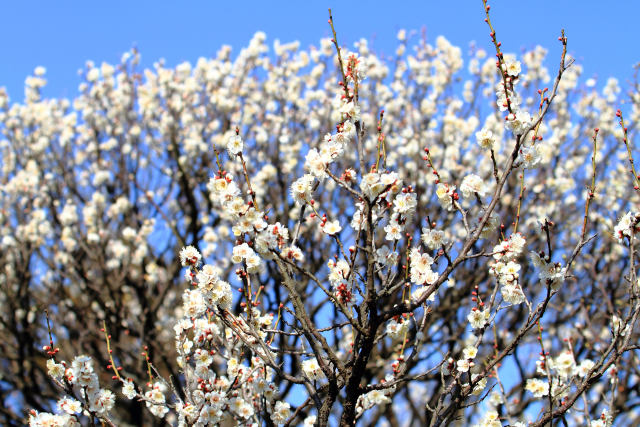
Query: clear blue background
[{"x": 62, "y": 35}]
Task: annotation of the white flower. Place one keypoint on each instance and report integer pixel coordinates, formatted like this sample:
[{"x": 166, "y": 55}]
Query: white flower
[
  {"x": 605, "y": 420},
  {"x": 253, "y": 263},
  {"x": 405, "y": 203},
  {"x": 495, "y": 399},
  {"x": 584, "y": 367},
  {"x": 509, "y": 249},
  {"x": 241, "y": 252},
  {"x": 374, "y": 397},
  {"x": 281, "y": 412},
  {"x": 538, "y": 387},
  {"x": 294, "y": 252},
  {"x": 242, "y": 408},
  {"x": 433, "y": 238},
  {"x": 512, "y": 294},
  {"x": 445, "y": 194},
  {"x": 395, "y": 329},
  {"x": 202, "y": 357},
  {"x": 564, "y": 364},
  {"x": 69, "y": 405},
  {"x": 490, "y": 226},
  {"x": 193, "y": 303},
  {"x": 478, "y": 319},
  {"x": 332, "y": 227},
  {"x": 530, "y": 156},
  {"x": 419, "y": 261},
  {"x": 469, "y": 352},
  {"x": 512, "y": 68},
  {"x": 315, "y": 164},
  {"x": 418, "y": 293},
  {"x": 480, "y": 385},
  {"x": 189, "y": 256},
  {"x": 69, "y": 215},
  {"x": 486, "y": 139},
  {"x": 207, "y": 277},
  {"x": 518, "y": 122},
  {"x": 372, "y": 185},
  {"x": 234, "y": 145},
  {"x": 224, "y": 187},
  {"x": 627, "y": 226},
  {"x": 82, "y": 372},
  {"x": 45, "y": 419},
  {"x": 312, "y": 369},
  {"x": 491, "y": 419},
  {"x": 393, "y": 230},
  {"x": 301, "y": 189},
  {"x": 473, "y": 184},
  {"x": 128, "y": 389},
  {"x": 102, "y": 401},
  {"x": 55, "y": 370},
  {"x": 464, "y": 365},
  {"x": 352, "y": 110}
]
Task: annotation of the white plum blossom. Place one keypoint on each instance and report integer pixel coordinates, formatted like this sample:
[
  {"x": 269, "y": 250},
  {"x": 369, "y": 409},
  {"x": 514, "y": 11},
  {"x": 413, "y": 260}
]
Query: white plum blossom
[
  {"x": 510, "y": 248},
  {"x": 396, "y": 328},
  {"x": 55, "y": 370},
  {"x": 235, "y": 145},
  {"x": 69, "y": 405},
  {"x": 405, "y": 203},
  {"x": 393, "y": 230},
  {"x": 44, "y": 419},
  {"x": 332, "y": 227},
  {"x": 530, "y": 156},
  {"x": 315, "y": 164},
  {"x": 539, "y": 388},
  {"x": 128, "y": 389},
  {"x": 478, "y": 318},
  {"x": 372, "y": 185},
  {"x": 446, "y": 195},
  {"x": 518, "y": 122},
  {"x": 433, "y": 238},
  {"x": 486, "y": 139},
  {"x": 470, "y": 352},
  {"x": 301, "y": 189},
  {"x": 193, "y": 302},
  {"x": 190, "y": 256},
  {"x": 473, "y": 184},
  {"x": 463, "y": 365},
  {"x": 281, "y": 412},
  {"x": 312, "y": 369},
  {"x": 628, "y": 226},
  {"x": 512, "y": 68},
  {"x": 421, "y": 271},
  {"x": 491, "y": 419}
]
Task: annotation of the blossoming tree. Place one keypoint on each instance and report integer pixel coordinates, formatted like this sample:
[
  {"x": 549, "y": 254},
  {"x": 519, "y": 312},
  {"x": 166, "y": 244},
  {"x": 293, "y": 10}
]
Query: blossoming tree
[{"x": 321, "y": 237}]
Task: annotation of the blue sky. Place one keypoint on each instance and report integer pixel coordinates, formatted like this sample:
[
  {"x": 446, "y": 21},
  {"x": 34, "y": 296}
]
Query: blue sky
[{"x": 62, "y": 35}]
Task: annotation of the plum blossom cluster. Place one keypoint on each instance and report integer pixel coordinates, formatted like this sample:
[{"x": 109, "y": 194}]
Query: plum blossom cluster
[
  {"x": 562, "y": 371},
  {"x": 253, "y": 226},
  {"x": 506, "y": 270},
  {"x": 421, "y": 272},
  {"x": 80, "y": 382}
]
